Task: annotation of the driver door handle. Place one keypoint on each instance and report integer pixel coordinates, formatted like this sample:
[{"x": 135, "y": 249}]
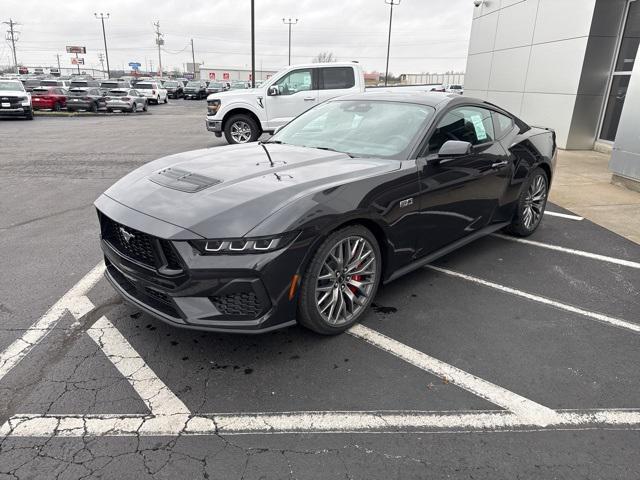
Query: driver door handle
[
  {"x": 309, "y": 99},
  {"x": 503, "y": 163}
]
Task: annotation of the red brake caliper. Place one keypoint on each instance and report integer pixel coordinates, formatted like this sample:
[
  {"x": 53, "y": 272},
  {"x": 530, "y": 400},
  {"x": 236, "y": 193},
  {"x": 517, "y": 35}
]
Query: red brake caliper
[{"x": 357, "y": 278}]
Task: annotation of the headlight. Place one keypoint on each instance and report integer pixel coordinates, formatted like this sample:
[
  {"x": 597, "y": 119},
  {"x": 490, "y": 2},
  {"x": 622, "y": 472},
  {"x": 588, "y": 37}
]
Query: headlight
[
  {"x": 213, "y": 106},
  {"x": 243, "y": 245},
  {"x": 24, "y": 99}
]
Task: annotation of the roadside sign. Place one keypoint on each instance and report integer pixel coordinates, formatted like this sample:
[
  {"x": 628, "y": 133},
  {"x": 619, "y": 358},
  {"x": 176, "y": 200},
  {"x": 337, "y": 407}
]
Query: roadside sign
[
  {"x": 226, "y": 76},
  {"x": 23, "y": 70},
  {"x": 77, "y": 61},
  {"x": 212, "y": 75},
  {"x": 134, "y": 65},
  {"x": 76, "y": 49}
]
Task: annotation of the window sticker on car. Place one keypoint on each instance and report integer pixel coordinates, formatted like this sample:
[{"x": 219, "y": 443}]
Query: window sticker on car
[{"x": 481, "y": 133}]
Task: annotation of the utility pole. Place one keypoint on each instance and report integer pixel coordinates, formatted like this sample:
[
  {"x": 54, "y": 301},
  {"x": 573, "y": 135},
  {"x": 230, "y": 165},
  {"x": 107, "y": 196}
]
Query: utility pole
[
  {"x": 193, "y": 60},
  {"x": 253, "y": 45},
  {"x": 159, "y": 42},
  {"x": 11, "y": 37},
  {"x": 101, "y": 17},
  {"x": 289, "y": 22},
  {"x": 392, "y": 3},
  {"x": 58, "y": 57}
]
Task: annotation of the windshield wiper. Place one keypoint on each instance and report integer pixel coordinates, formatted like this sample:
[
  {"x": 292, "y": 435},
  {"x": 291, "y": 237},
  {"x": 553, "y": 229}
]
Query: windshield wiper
[
  {"x": 277, "y": 142},
  {"x": 329, "y": 149}
]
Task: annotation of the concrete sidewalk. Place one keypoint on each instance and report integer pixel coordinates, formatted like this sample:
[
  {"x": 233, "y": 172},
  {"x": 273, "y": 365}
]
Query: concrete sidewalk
[{"x": 583, "y": 185}]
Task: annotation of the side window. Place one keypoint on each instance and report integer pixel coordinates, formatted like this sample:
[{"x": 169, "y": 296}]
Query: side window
[
  {"x": 337, "y": 77},
  {"x": 294, "y": 82},
  {"x": 503, "y": 124},
  {"x": 466, "y": 124},
  {"x": 134, "y": 93}
]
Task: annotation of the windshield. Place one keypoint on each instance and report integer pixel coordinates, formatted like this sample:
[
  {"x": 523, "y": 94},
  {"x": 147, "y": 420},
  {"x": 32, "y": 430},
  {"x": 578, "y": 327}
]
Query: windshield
[
  {"x": 79, "y": 83},
  {"x": 145, "y": 86},
  {"x": 77, "y": 92},
  {"x": 50, "y": 83},
  {"x": 6, "y": 85},
  {"x": 118, "y": 93},
  {"x": 109, "y": 84},
  {"x": 193, "y": 84},
  {"x": 215, "y": 85},
  {"x": 360, "y": 128},
  {"x": 236, "y": 86},
  {"x": 170, "y": 84}
]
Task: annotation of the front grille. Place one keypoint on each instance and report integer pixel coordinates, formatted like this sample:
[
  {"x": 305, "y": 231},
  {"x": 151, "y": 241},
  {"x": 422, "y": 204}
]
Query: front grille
[
  {"x": 162, "y": 297},
  {"x": 245, "y": 304},
  {"x": 13, "y": 101},
  {"x": 138, "y": 245}
]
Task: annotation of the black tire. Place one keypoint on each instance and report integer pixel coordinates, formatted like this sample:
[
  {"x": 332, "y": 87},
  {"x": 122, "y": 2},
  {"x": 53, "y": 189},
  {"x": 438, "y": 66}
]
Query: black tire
[
  {"x": 166, "y": 99},
  {"x": 520, "y": 225},
  {"x": 134, "y": 108},
  {"x": 109, "y": 110},
  {"x": 144, "y": 107},
  {"x": 69, "y": 109},
  {"x": 93, "y": 108},
  {"x": 57, "y": 107},
  {"x": 29, "y": 115},
  {"x": 254, "y": 129},
  {"x": 308, "y": 312}
]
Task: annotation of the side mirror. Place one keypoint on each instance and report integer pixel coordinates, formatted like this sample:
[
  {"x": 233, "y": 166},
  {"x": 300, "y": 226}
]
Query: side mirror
[
  {"x": 454, "y": 148},
  {"x": 273, "y": 90}
]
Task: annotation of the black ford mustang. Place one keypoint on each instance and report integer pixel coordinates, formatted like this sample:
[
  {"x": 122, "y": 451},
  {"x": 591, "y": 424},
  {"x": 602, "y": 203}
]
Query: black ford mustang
[{"x": 304, "y": 228}]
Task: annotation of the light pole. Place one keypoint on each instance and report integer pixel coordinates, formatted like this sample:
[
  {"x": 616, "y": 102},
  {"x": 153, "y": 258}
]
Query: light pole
[
  {"x": 289, "y": 22},
  {"x": 101, "y": 17},
  {"x": 159, "y": 42},
  {"x": 391, "y": 3},
  {"x": 253, "y": 45}
]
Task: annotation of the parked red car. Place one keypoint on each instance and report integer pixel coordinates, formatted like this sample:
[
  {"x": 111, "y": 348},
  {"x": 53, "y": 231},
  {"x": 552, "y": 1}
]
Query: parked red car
[{"x": 54, "y": 98}]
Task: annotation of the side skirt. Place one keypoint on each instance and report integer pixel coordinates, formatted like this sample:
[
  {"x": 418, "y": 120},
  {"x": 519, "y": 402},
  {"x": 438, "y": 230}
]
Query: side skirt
[{"x": 421, "y": 262}]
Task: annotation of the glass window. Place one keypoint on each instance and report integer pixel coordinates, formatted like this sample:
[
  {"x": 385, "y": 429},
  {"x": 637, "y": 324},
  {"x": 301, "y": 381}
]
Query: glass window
[
  {"x": 615, "y": 102},
  {"x": 466, "y": 124},
  {"x": 294, "y": 82},
  {"x": 630, "y": 39},
  {"x": 502, "y": 123},
  {"x": 337, "y": 77},
  {"x": 360, "y": 128}
]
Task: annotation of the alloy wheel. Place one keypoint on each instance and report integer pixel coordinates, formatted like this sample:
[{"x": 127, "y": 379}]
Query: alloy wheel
[
  {"x": 240, "y": 131},
  {"x": 534, "y": 202},
  {"x": 346, "y": 280}
]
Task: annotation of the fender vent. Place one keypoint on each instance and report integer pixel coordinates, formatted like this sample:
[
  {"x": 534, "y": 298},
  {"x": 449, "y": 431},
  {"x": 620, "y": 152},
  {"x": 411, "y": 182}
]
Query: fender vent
[{"x": 182, "y": 180}]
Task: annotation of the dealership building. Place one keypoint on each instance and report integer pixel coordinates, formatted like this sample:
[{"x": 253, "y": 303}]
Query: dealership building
[
  {"x": 229, "y": 74},
  {"x": 572, "y": 65}
]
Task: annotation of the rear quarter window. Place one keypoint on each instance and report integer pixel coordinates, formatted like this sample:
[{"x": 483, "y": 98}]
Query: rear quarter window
[
  {"x": 502, "y": 124},
  {"x": 334, "y": 78}
]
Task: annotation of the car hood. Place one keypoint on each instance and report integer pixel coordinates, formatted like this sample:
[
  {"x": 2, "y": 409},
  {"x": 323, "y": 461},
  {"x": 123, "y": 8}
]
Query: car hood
[
  {"x": 14, "y": 93},
  {"x": 247, "y": 95},
  {"x": 227, "y": 191}
]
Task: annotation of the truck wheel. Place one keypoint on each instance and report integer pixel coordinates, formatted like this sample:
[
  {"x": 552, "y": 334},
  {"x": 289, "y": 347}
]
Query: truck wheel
[{"x": 241, "y": 129}]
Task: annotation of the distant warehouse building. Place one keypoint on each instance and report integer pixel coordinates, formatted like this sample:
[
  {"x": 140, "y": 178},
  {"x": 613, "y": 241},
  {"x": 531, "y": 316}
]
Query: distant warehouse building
[
  {"x": 568, "y": 64},
  {"x": 229, "y": 74}
]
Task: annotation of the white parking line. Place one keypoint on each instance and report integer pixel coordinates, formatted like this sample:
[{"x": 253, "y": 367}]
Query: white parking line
[
  {"x": 563, "y": 215},
  {"x": 74, "y": 301},
  {"x": 580, "y": 253},
  {"x": 616, "y": 322},
  {"x": 305, "y": 422},
  {"x": 158, "y": 398},
  {"x": 527, "y": 410}
]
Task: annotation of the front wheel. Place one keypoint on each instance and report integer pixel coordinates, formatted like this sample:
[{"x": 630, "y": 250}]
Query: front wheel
[
  {"x": 241, "y": 129},
  {"x": 57, "y": 107},
  {"x": 341, "y": 281},
  {"x": 144, "y": 107},
  {"x": 531, "y": 205},
  {"x": 134, "y": 108},
  {"x": 93, "y": 108},
  {"x": 166, "y": 99}
]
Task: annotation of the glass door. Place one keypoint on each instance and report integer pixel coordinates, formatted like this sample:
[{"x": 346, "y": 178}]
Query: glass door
[{"x": 622, "y": 72}]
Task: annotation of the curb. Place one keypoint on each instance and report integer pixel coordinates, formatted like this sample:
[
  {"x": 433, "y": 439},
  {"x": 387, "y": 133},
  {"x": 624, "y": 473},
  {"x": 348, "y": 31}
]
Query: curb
[{"x": 39, "y": 113}]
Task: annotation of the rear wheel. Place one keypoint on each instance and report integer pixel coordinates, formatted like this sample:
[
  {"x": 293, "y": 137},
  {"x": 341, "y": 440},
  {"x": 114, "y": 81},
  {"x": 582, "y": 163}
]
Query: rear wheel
[
  {"x": 57, "y": 107},
  {"x": 241, "y": 129},
  {"x": 144, "y": 107},
  {"x": 134, "y": 108},
  {"x": 93, "y": 108},
  {"x": 341, "y": 281},
  {"x": 531, "y": 205},
  {"x": 166, "y": 99}
]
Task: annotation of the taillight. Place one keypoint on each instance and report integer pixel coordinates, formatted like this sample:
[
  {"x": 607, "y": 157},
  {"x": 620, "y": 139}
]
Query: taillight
[
  {"x": 86, "y": 98},
  {"x": 126, "y": 99},
  {"x": 153, "y": 92}
]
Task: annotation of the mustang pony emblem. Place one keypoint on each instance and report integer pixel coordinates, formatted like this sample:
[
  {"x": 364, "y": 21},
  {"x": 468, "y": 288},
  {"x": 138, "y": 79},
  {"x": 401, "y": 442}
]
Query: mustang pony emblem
[{"x": 126, "y": 235}]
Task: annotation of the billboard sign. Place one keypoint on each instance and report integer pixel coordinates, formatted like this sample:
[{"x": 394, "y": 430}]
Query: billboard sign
[
  {"x": 134, "y": 65},
  {"x": 226, "y": 76},
  {"x": 212, "y": 75},
  {"x": 76, "y": 49},
  {"x": 77, "y": 61}
]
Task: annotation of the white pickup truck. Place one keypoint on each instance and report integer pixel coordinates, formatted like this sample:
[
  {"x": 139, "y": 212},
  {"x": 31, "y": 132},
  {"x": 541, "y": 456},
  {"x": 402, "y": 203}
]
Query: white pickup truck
[{"x": 243, "y": 115}]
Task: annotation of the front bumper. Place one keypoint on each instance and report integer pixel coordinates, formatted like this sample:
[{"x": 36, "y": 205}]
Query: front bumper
[
  {"x": 15, "y": 111},
  {"x": 225, "y": 293},
  {"x": 213, "y": 125}
]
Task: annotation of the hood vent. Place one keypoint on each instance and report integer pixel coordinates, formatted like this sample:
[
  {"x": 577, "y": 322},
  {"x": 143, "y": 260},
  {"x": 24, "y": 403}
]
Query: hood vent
[{"x": 182, "y": 180}]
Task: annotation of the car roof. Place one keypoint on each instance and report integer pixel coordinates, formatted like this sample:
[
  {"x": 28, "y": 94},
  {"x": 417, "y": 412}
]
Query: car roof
[{"x": 433, "y": 99}]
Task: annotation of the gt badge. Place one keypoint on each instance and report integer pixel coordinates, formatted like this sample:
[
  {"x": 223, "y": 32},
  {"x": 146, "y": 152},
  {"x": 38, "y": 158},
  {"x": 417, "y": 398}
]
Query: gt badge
[{"x": 406, "y": 203}]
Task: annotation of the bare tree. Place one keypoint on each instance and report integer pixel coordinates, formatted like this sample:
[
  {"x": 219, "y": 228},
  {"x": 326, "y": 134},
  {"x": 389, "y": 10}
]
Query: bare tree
[{"x": 324, "y": 57}]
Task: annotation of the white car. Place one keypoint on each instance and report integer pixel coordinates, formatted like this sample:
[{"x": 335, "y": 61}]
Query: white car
[
  {"x": 15, "y": 101},
  {"x": 453, "y": 88},
  {"x": 153, "y": 91},
  {"x": 243, "y": 115}
]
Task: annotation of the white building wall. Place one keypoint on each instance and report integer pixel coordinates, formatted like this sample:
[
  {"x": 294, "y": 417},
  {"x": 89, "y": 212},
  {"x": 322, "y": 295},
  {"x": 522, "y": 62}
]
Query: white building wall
[{"x": 527, "y": 56}]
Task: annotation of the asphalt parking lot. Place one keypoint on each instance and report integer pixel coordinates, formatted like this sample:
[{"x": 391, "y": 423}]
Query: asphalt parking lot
[{"x": 506, "y": 359}]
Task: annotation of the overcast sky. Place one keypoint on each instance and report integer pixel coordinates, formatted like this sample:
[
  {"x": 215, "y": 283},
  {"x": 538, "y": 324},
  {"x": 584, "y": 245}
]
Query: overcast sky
[{"x": 428, "y": 35}]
